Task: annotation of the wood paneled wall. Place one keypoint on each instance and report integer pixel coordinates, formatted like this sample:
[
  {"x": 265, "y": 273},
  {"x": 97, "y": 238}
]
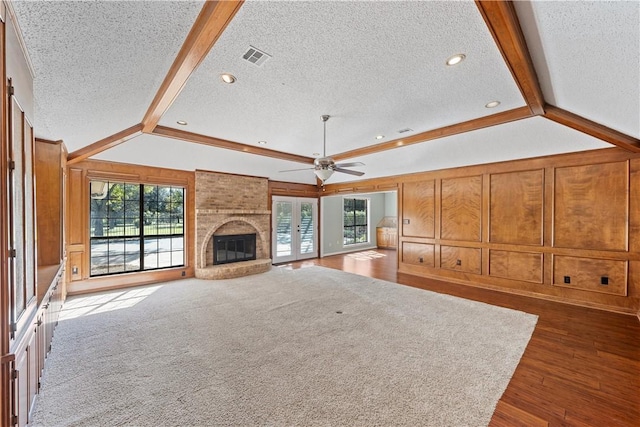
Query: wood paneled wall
[
  {"x": 78, "y": 244},
  {"x": 563, "y": 227}
]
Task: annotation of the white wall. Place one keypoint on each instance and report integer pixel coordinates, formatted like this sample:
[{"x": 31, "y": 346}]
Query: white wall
[
  {"x": 391, "y": 203},
  {"x": 331, "y": 222}
]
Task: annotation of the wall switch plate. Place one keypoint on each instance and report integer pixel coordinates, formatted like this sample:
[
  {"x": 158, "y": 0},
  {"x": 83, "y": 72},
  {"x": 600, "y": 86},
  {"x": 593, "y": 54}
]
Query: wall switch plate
[
  {"x": 421, "y": 259},
  {"x": 458, "y": 262},
  {"x": 567, "y": 279},
  {"x": 604, "y": 280}
]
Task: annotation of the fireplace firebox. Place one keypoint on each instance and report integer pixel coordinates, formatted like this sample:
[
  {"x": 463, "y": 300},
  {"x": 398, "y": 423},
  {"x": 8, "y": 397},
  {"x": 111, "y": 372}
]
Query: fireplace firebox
[{"x": 234, "y": 248}]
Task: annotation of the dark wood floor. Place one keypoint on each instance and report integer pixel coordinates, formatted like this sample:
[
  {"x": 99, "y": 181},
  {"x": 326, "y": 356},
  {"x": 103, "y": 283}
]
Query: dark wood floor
[{"x": 581, "y": 367}]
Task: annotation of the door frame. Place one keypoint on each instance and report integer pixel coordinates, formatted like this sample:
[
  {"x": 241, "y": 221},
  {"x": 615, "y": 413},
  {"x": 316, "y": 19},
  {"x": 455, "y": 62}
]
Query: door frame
[{"x": 296, "y": 241}]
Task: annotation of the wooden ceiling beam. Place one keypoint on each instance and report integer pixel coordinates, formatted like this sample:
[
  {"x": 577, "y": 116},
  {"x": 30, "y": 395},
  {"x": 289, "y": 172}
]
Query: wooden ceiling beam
[
  {"x": 104, "y": 144},
  {"x": 229, "y": 145},
  {"x": 475, "y": 124},
  {"x": 208, "y": 27},
  {"x": 502, "y": 20},
  {"x": 592, "y": 128}
]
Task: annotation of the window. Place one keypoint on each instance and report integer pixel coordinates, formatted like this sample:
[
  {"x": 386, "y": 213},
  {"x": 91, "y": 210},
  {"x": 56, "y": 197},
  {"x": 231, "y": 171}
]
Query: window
[
  {"x": 355, "y": 227},
  {"x": 135, "y": 227}
]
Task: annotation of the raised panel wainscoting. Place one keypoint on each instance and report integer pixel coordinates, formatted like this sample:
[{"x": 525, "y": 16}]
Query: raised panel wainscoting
[{"x": 523, "y": 226}]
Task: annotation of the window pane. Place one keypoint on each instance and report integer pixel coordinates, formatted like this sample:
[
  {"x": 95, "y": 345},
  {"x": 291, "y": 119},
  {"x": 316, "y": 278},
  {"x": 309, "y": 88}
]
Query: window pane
[
  {"x": 177, "y": 243},
  {"x": 151, "y": 261},
  {"x": 99, "y": 265},
  {"x": 99, "y": 247},
  {"x": 132, "y": 254},
  {"x": 177, "y": 258},
  {"x": 132, "y": 192}
]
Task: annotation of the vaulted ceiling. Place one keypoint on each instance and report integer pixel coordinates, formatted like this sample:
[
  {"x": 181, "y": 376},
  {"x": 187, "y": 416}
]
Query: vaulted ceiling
[{"x": 112, "y": 79}]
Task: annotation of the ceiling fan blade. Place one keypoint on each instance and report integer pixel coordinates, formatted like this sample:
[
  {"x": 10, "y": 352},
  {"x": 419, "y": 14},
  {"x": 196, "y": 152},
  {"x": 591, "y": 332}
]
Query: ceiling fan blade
[
  {"x": 350, "y": 172},
  {"x": 349, "y": 165},
  {"x": 296, "y": 170}
]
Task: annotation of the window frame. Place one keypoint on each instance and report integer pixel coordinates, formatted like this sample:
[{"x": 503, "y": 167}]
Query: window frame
[
  {"x": 142, "y": 236},
  {"x": 355, "y": 225}
]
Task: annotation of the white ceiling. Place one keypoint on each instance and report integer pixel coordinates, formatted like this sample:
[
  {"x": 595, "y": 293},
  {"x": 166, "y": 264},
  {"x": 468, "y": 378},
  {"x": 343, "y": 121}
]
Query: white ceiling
[{"x": 375, "y": 67}]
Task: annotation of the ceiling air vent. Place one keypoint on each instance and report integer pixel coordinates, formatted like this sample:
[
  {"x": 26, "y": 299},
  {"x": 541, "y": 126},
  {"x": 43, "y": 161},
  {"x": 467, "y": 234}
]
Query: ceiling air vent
[
  {"x": 405, "y": 130},
  {"x": 256, "y": 56}
]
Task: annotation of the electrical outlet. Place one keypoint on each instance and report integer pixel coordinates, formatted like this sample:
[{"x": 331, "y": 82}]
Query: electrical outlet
[
  {"x": 567, "y": 279},
  {"x": 421, "y": 259},
  {"x": 604, "y": 280},
  {"x": 458, "y": 262},
  {"x": 405, "y": 221},
  {"x": 184, "y": 273},
  {"x": 74, "y": 270}
]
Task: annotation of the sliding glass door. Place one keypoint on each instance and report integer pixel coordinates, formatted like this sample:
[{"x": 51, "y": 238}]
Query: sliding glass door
[{"x": 295, "y": 228}]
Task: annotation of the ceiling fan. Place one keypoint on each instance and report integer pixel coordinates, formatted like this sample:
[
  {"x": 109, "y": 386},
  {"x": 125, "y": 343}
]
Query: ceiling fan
[{"x": 325, "y": 166}]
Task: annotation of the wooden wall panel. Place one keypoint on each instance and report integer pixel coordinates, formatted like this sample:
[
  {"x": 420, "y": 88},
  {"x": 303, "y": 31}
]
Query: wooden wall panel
[
  {"x": 634, "y": 205},
  {"x": 418, "y": 254},
  {"x": 516, "y": 207},
  {"x": 75, "y": 223},
  {"x": 591, "y": 206},
  {"x": 49, "y": 202},
  {"x": 587, "y": 274},
  {"x": 418, "y": 209},
  {"x": 525, "y": 266},
  {"x": 461, "y": 209},
  {"x": 457, "y": 258}
]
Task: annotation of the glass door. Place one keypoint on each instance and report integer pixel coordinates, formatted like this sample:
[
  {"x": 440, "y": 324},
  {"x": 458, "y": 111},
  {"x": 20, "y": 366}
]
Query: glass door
[{"x": 295, "y": 228}]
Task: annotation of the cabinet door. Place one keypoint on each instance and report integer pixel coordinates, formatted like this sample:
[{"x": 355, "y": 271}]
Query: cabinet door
[{"x": 21, "y": 213}]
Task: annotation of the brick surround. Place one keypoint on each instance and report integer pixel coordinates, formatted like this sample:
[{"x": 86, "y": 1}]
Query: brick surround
[{"x": 231, "y": 204}]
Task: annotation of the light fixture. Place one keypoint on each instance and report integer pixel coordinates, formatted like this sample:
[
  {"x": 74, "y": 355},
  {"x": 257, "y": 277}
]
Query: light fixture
[
  {"x": 181, "y": 122},
  {"x": 262, "y": 142},
  {"x": 456, "y": 59},
  {"x": 228, "y": 78},
  {"x": 492, "y": 104},
  {"x": 379, "y": 136},
  {"x": 323, "y": 174}
]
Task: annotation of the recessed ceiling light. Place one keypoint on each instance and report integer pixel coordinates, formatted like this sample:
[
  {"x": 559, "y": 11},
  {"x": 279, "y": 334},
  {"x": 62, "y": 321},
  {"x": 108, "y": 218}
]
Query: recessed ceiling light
[
  {"x": 262, "y": 142},
  {"x": 181, "y": 122},
  {"x": 228, "y": 78},
  {"x": 492, "y": 104},
  {"x": 379, "y": 136},
  {"x": 456, "y": 59}
]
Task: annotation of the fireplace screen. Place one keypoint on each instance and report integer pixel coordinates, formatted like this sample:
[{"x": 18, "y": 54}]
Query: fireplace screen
[{"x": 234, "y": 248}]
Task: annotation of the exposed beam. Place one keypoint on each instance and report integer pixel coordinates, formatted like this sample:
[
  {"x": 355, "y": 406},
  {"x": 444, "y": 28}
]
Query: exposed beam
[
  {"x": 229, "y": 145},
  {"x": 594, "y": 129},
  {"x": 483, "y": 122},
  {"x": 104, "y": 144},
  {"x": 210, "y": 24},
  {"x": 500, "y": 16}
]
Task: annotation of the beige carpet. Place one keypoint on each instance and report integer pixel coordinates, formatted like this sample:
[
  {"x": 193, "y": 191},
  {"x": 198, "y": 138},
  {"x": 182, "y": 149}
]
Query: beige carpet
[{"x": 306, "y": 347}]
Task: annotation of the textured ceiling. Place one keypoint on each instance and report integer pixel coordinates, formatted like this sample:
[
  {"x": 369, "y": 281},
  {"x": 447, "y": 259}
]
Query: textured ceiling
[
  {"x": 375, "y": 67},
  {"x": 98, "y": 64},
  {"x": 587, "y": 55}
]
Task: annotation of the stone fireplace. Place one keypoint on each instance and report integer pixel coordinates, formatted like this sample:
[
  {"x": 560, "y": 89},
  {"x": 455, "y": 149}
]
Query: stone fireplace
[{"x": 229, "y": 205}]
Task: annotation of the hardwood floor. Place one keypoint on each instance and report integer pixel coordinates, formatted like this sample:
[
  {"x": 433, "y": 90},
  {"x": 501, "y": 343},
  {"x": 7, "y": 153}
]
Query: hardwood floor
[{"x": 581, "y": 367}]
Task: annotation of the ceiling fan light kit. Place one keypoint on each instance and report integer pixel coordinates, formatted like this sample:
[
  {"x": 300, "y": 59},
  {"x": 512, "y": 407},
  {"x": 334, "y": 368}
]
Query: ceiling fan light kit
[{"x": 324, "y": 166}]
